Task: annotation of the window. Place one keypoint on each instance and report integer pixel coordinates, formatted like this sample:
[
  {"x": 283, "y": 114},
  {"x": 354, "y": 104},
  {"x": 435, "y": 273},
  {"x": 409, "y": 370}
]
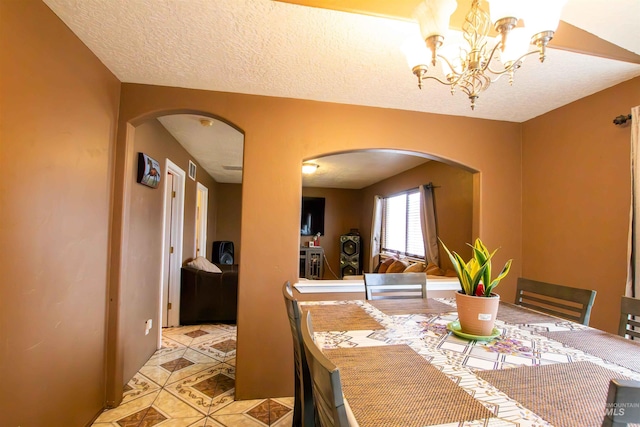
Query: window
[{"x": 401, "y": 225}]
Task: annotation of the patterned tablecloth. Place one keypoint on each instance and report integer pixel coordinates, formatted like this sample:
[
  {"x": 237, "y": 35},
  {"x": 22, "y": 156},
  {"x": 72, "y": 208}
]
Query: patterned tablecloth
[{"x": 484, "y": 369}]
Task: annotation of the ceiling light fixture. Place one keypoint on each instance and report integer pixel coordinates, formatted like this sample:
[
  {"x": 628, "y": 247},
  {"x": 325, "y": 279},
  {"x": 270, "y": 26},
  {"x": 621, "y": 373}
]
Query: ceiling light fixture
[
  {"x": 309, "y": 168},
  {"x": 470, "y": 70}
]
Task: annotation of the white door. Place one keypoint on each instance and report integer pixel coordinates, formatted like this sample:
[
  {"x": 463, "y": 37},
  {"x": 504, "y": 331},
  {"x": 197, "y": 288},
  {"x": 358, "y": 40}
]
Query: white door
[{"x": 202, "y": 201}]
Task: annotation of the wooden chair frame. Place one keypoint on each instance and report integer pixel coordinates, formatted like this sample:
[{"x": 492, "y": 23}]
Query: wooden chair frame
[
  {"x": 395, "y": 285},
  {"x": 629, "y": 307},
  {"x": 529, "y": 291},
  {"x": 303, "y": 409}
]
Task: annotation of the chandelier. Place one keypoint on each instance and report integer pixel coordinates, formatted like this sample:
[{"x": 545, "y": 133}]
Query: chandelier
[{"x": 481, "y": 59}]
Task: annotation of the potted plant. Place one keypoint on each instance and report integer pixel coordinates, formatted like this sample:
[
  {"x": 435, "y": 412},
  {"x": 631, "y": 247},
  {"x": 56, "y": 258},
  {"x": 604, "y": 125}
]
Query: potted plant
[{"x": 477, "y": 303}]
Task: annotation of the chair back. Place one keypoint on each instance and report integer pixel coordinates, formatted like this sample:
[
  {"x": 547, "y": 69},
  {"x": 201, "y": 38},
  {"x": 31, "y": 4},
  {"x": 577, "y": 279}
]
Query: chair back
[
  {"x": 629, "y": 325},
  {"x": 325, "y": 379},
  {"x": 560, "y": 301},
  {"x": 395, "y": 285},
  {"x": 303, "y": 411},
  {"x": 622, "y": 406}
]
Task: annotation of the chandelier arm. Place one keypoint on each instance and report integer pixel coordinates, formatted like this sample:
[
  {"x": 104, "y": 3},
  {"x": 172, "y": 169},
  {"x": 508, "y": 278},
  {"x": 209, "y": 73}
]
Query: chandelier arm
[
  {"x": 453, "y": 70},
  {"x": 512, "y": 67},
  {"x": 491, "y": 56},
  {"x": 437, "y": 79}
]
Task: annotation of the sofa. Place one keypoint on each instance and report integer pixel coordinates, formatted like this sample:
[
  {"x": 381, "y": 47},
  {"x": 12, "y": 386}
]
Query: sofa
[{"x": 208, "y": 297}]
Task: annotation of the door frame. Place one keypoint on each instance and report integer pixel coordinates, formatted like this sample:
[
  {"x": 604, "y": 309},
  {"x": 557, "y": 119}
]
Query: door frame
[{"x": 177, "y": 230}]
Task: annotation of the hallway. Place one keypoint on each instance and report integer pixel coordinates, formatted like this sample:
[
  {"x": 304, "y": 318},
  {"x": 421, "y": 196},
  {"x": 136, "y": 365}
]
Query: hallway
[{"x": 190, "y": 382}]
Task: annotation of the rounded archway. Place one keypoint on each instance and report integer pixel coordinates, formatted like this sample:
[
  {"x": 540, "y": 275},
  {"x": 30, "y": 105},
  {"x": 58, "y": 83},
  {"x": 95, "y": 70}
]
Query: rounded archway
[
  {"x": 346, "y": 182},
  {"x": 158, "y": 228}
]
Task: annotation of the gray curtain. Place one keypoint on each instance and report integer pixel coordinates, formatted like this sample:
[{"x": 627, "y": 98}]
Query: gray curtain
[
  {"x": 376, "y": 230},
  {"x": 429, "y": 232},
  {"x": 633, "y": 276}
]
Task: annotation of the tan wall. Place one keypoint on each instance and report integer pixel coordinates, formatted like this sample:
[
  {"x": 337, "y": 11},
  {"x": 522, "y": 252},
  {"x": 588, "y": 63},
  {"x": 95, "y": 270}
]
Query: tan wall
[
  {"x": 342, "y": 213},
  {"x": 576, "y": 197},
  {"x": 145, "y": 246},
  {"x": 229, "y": 209},
  {"x": 58, "y": 116},
  {"x": 283, "y": 132},
  {"x": 453, "y": 200}
]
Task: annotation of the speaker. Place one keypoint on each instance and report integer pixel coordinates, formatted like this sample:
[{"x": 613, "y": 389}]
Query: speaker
[
  {"x": 350, "y": 244},
  {"x": 349, "y": 266},
  {"x": 222, "y": 252},
  {"x": 349, "y": 255}
]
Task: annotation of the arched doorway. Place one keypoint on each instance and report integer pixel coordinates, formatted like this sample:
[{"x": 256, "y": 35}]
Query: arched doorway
[
  {"x": 347, "y": 182},
  {"x": 145, "y": 281}
]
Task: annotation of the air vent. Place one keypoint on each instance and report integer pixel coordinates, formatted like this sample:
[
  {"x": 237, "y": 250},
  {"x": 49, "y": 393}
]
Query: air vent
[{"x": 232, "y": 168}]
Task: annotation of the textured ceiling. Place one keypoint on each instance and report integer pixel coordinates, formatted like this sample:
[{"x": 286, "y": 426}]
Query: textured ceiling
[
  {"x": 271, "y": 48},
  {"x": 278, "y": 49},
  {"x": 359, "y": 169},
  {"x": 218, "y": 147}
]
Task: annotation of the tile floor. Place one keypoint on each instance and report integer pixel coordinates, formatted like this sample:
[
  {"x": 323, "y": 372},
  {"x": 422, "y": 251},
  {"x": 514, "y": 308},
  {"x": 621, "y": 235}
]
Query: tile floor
[{"x": 190, "y": 382}]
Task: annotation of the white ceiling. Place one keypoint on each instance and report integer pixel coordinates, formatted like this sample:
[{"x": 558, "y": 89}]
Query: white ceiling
[
  {"x": 271, "y": 48},
  {"x": 359, "y": 169},
  {"x": 217, "y": 146}
]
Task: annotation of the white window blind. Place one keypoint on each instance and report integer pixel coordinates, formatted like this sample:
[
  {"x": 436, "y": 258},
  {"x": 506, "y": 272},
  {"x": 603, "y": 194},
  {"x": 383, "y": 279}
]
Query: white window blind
[{"x": 401, "y": 225}]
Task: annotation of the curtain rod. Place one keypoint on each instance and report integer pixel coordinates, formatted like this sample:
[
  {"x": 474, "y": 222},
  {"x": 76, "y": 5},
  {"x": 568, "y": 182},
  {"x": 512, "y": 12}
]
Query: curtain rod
[{"x": 620, "y": 120}]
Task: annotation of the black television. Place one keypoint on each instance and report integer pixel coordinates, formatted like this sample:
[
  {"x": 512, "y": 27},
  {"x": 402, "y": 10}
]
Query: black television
[{"x": 312, "y": 216}]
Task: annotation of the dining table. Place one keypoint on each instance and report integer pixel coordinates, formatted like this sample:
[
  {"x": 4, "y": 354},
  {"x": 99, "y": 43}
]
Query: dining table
[{"x": 405, "y": 362}]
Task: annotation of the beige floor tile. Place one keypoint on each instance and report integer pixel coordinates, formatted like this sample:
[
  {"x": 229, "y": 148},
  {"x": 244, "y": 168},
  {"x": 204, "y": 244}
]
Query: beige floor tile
[
  {"x": 177, "y": 376},
  {"x": 237, "y": 420},
  {"x": 213, "y": 335},
  {"x": 217, "y": 348},
  {"x": 140, "y": 385},
  {"x": 126, "y": 409},
  {"x": 183, "y": 422},
  {"x": 285, "y": 421},
  {"x": 166, "y": 353},
  {"x": 219, "y": 327},
  {"x": 173, "y": 407},
  {"x": 238, "y": 407},
  {"x": 210, "y": 422},
  {"x": 180, "y": 330},
  {"x": 287, "y": 401},
  {"x": 198, "y": 357},
  {"x": 182, "y": 339},
  {"x": 207, "y": 390},
  {"x": 156, "y": 373},
  {"x": 225, "y": 326},
  {"x": 169, "y": 343},
  {"x": 200, "y": 423},
  {"x": 194, "y": 388}
]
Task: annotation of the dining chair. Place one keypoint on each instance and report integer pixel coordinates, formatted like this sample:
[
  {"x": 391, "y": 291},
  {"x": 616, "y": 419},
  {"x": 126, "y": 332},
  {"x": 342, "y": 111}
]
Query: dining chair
[
  {"x": 332, "y": 409},
  {"x": 395, "y": 285},
  {"x": 622, "y": 403},
  {"x": 629, "y": 325},
  {"x": 303, "y": 409},
  {"x": 558, "y": 300}
]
